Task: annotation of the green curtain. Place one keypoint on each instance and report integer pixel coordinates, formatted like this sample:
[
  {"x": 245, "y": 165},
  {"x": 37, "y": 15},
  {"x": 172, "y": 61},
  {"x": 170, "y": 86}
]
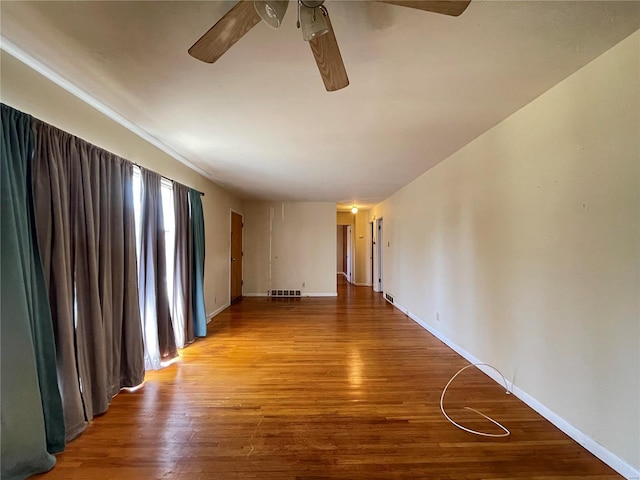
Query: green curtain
[
  {"x": 31, "y": 415},
  {"x": 197, "y": 272}
]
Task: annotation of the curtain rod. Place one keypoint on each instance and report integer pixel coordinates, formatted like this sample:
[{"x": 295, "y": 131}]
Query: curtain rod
[
  {"x": 102, "y": 149},
  {"x": 169, "y": 179},
  {"x": 173, "y": 181}
]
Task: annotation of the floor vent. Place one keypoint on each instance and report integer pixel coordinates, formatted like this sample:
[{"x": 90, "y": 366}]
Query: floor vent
[
  {"x": 285, "y": 293},
  {"x": 388, "y": 297}
]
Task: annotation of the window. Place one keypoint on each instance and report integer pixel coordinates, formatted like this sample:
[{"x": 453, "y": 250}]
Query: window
[
  {"x": 169, "y": 234},
  {"x": 166, "y": 190}
]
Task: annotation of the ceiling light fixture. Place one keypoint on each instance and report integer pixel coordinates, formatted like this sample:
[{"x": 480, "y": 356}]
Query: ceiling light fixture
[
  {"x": 271, "y": 11},
  {"x": 312, "y": 16},
  {"x": 354, "y": 209}
]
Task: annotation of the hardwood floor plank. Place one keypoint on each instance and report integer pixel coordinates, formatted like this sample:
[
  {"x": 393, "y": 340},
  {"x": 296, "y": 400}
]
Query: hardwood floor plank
[{"x": 319, "y": 388}]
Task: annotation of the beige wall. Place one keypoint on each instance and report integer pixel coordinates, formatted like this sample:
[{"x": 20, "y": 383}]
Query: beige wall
[
  {"x": 290, "y": 246},
  {"x": 525, "y": 246},
  {"x": 362, "y": 241},
  {"x": 345, "y": 218},
  {"x": 26, "y": 90}
]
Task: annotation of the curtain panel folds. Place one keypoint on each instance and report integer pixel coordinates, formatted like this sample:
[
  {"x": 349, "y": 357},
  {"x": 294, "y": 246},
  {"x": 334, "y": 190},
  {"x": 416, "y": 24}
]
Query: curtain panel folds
[
  {"x": 159, "y": 338},
  {"x": 85, "y": 308},
  {"x": 182, "y": 313},
  {"x": 197, "y": 282},
  {"x": 85, "y": 225},
  {"x": 31, "y": 418}
]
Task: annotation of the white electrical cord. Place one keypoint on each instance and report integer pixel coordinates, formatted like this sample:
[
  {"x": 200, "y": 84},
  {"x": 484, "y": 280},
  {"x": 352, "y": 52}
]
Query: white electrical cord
[{"x": 475, "y": 432}]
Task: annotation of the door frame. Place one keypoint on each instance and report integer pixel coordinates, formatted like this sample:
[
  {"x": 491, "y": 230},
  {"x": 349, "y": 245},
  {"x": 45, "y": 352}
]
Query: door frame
[
  {"x": 349, "y": 272},
  {"x": 231, "y": 212},
  {"x": 372, "y": 243},
  {"x": 378, "y": 286}
]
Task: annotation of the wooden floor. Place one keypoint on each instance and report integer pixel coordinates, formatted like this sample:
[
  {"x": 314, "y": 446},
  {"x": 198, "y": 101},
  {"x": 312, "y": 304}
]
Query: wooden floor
[{"x": 318, "y": 388}]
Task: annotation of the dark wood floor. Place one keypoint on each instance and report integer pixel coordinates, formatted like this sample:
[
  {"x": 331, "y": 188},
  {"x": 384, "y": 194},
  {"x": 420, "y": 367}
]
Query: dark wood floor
[{"x": 320, "y": 388}]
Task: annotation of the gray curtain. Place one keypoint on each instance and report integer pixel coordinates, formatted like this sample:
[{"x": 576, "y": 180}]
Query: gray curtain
[
  {"x": 152, "y": 275},
  {"x": 182, "y": 307},
  {"x": 85, "y": 225},
  {"x": 119, "y": 290},
  {"x": 197, "y": 277},
  {"x": 31, "y": 419}
]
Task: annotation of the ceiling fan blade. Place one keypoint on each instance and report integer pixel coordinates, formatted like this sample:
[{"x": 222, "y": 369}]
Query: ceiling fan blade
[
  {"x": 446, "y": 7},
  {"x": 327, "y": 54},
  {"x": 227, "y": 31}
]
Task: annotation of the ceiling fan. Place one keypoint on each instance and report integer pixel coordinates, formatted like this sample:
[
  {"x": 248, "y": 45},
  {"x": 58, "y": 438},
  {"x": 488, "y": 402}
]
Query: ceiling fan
[{"x": 316, "y": 29}]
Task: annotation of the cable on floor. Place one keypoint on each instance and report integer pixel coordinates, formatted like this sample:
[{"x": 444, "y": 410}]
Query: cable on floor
[{"x": 505, "y": 433}]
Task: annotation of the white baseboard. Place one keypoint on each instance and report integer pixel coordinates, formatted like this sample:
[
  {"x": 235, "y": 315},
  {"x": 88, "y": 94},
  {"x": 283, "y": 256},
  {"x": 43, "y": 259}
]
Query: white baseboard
[
  {"x": 216, "y": 312},
  {"x": 345, "y": 276},
  {"x": 362, "y": 284},
  {"x": 304, "y": 294},
  {"x": 608, "y": 457}
]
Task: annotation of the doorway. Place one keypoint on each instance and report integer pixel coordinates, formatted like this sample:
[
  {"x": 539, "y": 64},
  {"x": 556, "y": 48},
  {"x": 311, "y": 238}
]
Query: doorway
[
  {"x": 341, "y": 243},
  {"x": 237, "y": 225}
]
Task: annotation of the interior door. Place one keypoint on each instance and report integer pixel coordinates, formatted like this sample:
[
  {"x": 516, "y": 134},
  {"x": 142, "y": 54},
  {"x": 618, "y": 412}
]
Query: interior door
[{"x": 236, "y": 257}]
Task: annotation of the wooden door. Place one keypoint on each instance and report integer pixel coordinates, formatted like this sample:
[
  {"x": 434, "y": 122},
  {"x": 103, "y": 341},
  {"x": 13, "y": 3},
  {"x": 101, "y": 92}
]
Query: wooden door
[{"x": 236, "y": 257}]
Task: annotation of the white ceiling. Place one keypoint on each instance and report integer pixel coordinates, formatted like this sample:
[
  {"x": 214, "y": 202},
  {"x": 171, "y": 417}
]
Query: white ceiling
[{"x": 259, "y": 120}]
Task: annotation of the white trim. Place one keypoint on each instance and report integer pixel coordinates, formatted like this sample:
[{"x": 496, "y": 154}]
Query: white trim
[
  {"x": 304, "y": 294},
  {"x": 362, "y": 284},
  {"x": 62, "y": 82},
  {"x": 217, "y": 312},
  {"x": 608, "y": 457},
  {"x": 370, "y": 249},
  {"x": 350, "y": 253}
]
